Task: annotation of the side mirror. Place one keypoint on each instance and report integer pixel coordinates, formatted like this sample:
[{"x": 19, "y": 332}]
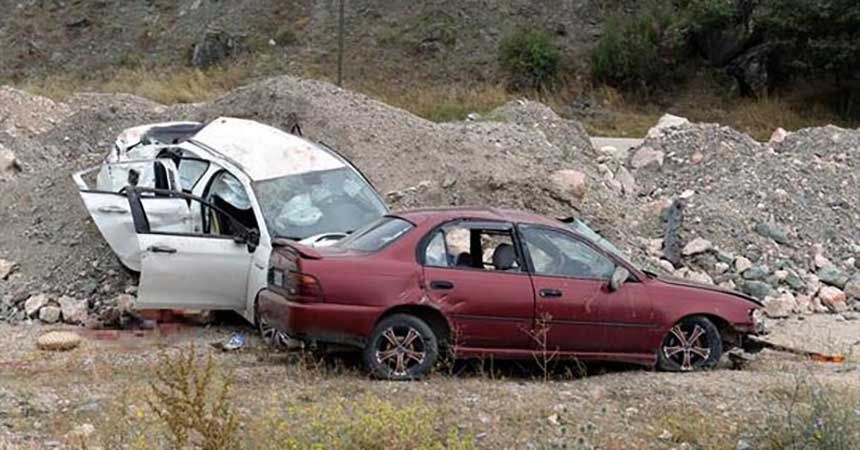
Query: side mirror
[
  {"x": 253, "y": 240},
  {"x": 619, "y": 276}
]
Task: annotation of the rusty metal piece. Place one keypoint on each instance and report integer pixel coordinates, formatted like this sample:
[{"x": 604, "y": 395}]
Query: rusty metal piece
[
  {"x": 815, "y": 356},
  {"x": 672, "y": 238}
]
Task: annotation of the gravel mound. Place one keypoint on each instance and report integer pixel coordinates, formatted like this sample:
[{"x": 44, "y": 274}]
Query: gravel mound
[
  {"x": 790, "y": 207},
  {"x": 508, "y": 160}
]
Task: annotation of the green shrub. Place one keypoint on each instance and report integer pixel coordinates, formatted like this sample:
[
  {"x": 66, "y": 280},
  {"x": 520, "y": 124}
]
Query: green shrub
[
  {"x": 531, "y": 59},
  {"x": 641, "y": 50}
]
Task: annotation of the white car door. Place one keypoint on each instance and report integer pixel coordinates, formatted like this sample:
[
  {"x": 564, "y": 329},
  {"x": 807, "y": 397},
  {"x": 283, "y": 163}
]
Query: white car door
[
  {"x": 190, "y": 270},
  {"x": 110, "y": 211}
]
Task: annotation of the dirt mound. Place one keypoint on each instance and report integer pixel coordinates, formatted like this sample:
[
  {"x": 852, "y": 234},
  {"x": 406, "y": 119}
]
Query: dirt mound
[{"x": 508, "y": 160}]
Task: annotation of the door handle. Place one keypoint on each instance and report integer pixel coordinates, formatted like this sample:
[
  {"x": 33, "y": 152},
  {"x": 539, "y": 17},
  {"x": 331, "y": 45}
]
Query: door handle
[
  {"x": 550, "y": 293},
  {"x": 112, "y": 209},
  {"x": 161, "y": 249},
  {"x": 441, "y": 284}
]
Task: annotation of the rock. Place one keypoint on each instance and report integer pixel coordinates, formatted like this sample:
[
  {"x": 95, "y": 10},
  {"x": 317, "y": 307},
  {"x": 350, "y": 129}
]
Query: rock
[
  {"x": 773, "y": 231},
  {"x": 666, "y": 122},
  {"x": 794, "y": 281},
  {"x": 803, "y": 304},
  {"x": 215, "y": 47},
  {"x": 6, "y": 269},
  {"x": 742, "y": 264},
  {"x": 697, "y": 158},
  {"x": 834, "y": 299},
  {"x": 750, "y": 71},
  {"x": 780, "y": 306},
  {"x": 833, "y": 276},
  {"x": 618, "y": 154},
  {"x": 34, "y": 304},
  {"x": 628, "y": 183},
  {"x": 74, "y": 310},
  {"x": 755, "y": 273},
  {"x": 50, "y": 314},
  {"x": 778, "y": 136},
  {"x": 124, "y": 303},
  {"x": 852, "y": 288},
  {"x": 700, "y": 277},
  {"x": 721, "y": 267},
  {"x": 666, "y": 265},
  {"x": 694, "y": 276},
  {"x": 757, "y": 289},
  {"x": 821, "y": 261},
  {"x": 58, "y": 341},
  {"x": 8, "y": 161},
  {"x": 645, "y": 157},
  {"x": 571, "y": 181},
  {"x": 696, "y": 246}
]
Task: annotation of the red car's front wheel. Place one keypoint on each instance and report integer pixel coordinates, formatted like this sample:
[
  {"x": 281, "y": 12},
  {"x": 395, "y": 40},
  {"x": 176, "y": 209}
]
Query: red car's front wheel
[
  {"x": 401, "y": 347},
  {"x": 693, "y": 343}
]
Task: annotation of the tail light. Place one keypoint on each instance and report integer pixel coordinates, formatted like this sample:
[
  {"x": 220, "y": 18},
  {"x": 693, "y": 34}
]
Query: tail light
[
  {"x": 286, "y": 277},
  {"x": 303, "y": 287}
]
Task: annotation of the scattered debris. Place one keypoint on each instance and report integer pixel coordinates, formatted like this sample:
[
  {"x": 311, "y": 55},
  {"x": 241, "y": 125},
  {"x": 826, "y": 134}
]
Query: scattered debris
[{"x": 235, "y": 342}]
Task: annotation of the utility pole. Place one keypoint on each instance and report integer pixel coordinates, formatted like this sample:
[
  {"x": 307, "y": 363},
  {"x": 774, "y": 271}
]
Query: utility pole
[{"x": 340, "y": 45}]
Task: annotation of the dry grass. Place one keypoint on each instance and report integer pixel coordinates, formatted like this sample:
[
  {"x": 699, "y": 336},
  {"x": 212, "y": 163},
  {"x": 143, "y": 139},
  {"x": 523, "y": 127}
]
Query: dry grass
[
  {"x": 439, "y": 103},
  {"x": 171, "y": 86}
]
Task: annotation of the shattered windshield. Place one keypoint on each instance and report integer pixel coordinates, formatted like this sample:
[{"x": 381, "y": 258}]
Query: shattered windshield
[
  {"x": 583, "y": 229},
  {"x": 326, "y": 201}
]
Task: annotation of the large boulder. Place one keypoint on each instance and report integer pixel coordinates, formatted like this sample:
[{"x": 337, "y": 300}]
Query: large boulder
[
  {"x": 214, "y": 48},
  {"x": 750, "y": 70}
]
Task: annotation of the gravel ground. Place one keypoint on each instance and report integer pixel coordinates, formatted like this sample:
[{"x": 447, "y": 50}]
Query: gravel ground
[{"x": 45, "y": 395}]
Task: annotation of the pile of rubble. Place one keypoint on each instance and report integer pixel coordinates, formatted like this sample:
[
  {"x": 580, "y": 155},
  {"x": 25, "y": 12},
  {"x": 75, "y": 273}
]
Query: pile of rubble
[
  {"x": 774, "y": 220},
  {"x": 782, "y": 215}
]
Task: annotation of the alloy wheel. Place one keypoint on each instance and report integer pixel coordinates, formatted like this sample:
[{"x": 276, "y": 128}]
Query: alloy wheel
[
  {"x": 401, "y": 348},
  {"x": 687, "y": 345},
  {"x": 272, "y": 335}
]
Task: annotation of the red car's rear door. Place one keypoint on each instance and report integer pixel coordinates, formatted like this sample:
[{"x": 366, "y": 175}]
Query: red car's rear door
[{"x": 488, "y": 297}]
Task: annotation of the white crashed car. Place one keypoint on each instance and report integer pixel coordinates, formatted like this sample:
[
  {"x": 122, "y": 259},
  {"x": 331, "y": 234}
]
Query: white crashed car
[{"x": 195, "y": 207}]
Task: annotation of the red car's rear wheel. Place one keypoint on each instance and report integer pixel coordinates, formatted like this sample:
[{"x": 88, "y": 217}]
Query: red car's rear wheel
[
  {"x": 693, "y": 343},
  {"x": 401, "y": 347}
]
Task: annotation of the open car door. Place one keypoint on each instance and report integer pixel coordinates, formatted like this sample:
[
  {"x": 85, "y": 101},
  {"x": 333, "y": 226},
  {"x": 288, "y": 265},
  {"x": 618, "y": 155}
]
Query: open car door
[
  {"x": 108, "y": 206},
  {"x": 197, "y": 270}
]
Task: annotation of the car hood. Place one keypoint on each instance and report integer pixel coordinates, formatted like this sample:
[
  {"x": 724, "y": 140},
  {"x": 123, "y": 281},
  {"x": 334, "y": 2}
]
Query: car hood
[{"x": 708, "y": 287}]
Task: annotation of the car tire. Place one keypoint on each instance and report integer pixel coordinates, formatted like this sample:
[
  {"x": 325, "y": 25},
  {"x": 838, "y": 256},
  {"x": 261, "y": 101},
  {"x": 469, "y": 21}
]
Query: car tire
[
  {"x": 270, "y": 335},
  {"x": 692, "y": 344},
  {"x": 401, "y": 347}
]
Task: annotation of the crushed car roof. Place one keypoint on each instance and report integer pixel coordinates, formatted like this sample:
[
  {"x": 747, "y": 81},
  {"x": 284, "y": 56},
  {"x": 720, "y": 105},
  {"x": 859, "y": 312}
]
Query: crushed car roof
[{"x": 264, "y": 152}]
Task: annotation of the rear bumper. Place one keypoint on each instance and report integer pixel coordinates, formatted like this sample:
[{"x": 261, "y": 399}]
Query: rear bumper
[{"x": 318, "y": 322}]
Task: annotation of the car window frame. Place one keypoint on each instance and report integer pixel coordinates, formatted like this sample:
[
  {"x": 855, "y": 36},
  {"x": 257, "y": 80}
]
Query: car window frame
[
  {"x": 485, "y": 224},
  {"x": 204, "y": 197},
  {"x": 138, "y": 212},
  {"x": 634, "y": 277}
]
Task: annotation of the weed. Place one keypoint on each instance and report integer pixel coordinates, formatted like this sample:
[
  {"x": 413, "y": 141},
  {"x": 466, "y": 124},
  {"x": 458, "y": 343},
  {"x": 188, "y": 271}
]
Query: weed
[
  {"x": 367, "y": 423},
  {"x": 544, "y": 355},
  {"x": 185, "y": 397},
  {"x": 815, "y": 417}
]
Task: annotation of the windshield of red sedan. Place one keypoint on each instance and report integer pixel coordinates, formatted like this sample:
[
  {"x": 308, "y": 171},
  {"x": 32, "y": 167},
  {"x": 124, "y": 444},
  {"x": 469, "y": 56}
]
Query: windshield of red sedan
[{"x": 376, "y": 235}]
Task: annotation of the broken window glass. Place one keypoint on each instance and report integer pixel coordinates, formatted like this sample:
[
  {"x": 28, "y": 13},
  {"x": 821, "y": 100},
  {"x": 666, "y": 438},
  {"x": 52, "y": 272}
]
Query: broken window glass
[{"x": 312, "y": 203}]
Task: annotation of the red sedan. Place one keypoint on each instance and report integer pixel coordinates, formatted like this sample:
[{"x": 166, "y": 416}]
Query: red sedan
[{"x": 492, "y": 283}]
